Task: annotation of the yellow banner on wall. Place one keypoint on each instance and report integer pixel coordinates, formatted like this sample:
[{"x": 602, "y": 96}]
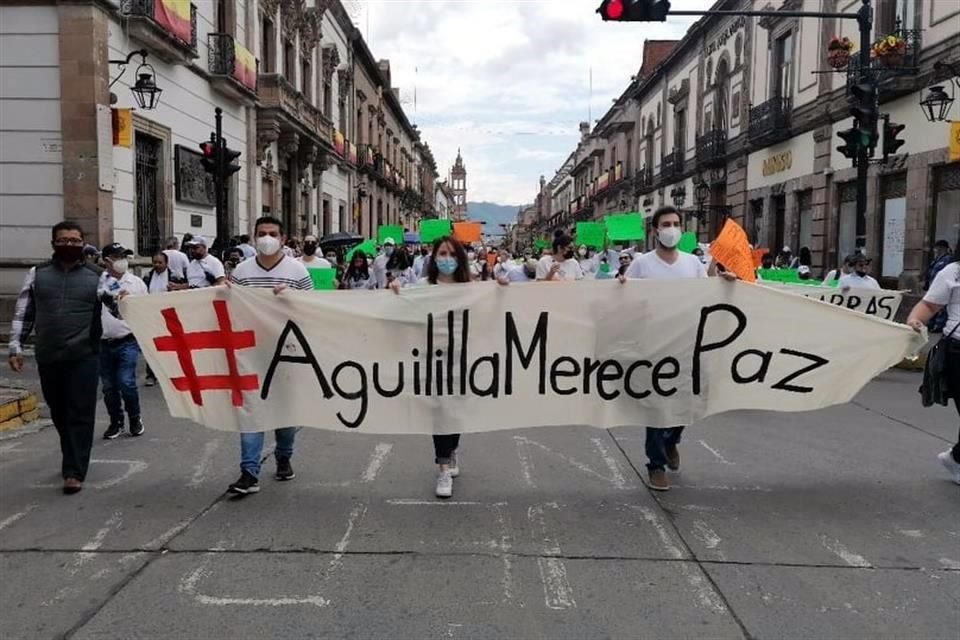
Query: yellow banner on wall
[
  {"x": 123, "y": 128},
  {"x": 954, "y": 142}
]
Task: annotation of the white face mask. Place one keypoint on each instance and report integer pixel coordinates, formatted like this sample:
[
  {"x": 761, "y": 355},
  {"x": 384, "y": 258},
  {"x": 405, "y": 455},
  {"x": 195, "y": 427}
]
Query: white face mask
[
  {"x": 669, "y": 236},
  {"x": 268, "y": 245},
  {"x": 471, "y": 256},
  {"x": 121, "y": 266}
]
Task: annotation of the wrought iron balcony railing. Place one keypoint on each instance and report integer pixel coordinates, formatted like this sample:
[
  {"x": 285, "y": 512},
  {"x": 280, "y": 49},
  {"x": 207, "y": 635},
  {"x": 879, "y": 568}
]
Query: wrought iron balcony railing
[
  {"x": 712, "y": 148},
  {"x": 170, "y": 36},
  {"x": 233, "y": 69},
  {"x": 770, "y": 121},
  {"x": 672, "y": 165}
]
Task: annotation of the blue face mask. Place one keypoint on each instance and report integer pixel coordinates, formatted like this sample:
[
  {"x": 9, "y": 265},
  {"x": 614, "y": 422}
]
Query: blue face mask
[{"x": 447, "y": 266}]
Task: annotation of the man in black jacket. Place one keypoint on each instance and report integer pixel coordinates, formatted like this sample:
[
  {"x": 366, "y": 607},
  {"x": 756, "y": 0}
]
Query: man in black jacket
[{"x": 61, "y": 298}]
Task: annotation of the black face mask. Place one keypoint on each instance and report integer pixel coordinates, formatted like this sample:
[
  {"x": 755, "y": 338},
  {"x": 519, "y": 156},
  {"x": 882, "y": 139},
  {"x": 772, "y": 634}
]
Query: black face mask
[
  {"x": 309, "y": 249},
  {"x": 68, "y": 253},
  {"x": 424, "y": 251},
  {"x": 861, "y": 273}
]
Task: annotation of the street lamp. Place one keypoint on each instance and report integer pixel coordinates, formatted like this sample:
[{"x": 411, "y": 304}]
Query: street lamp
[
  {"x": 145, "y": 90},
  {"x": 936, "y": 104}
]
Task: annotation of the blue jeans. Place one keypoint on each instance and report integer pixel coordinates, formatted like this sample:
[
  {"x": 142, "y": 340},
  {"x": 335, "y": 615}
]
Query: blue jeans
[
  {"x": 118, "y": 372},
  {"x": 658, "y": 441},
  {"x": 251, "y": 448}
]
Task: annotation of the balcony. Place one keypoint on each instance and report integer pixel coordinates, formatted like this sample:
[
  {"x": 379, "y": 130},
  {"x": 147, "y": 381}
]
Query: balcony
[
  {"x": 279, "y": 99},
  {"x": 672, "y": 165},
  {"x": 233, "y": 69},
  {"x": 897, "y": 74},
  {"x": 770, "y": 121},
  {"x": 712, "y": 149},
  {"x": 644, "y": 180},
  {"x": 168, "y": 35}
]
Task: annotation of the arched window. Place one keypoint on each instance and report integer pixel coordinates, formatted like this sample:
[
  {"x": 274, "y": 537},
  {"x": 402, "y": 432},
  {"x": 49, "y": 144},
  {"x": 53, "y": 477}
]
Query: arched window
[{"x": 722, "y": 96}]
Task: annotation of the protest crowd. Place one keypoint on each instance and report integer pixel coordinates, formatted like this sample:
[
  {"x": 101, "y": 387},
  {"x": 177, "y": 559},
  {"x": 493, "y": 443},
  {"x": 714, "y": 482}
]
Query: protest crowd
[{"x": 82, "y": 341}]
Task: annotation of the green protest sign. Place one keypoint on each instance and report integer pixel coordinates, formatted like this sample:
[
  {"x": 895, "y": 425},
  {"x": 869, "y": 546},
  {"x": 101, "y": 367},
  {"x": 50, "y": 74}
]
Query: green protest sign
[
  {"x": 625, "y": 226},
  {"x": 323, "y": 279},
  {"x": 369, "y": 247},
  {"x": 431, "y": 230},
  {"x": 688, "y": 242},
  {"x": 394, "y": 231},
  {"x": 540, "y": 244},
  {"x": 591, "y": 234}
]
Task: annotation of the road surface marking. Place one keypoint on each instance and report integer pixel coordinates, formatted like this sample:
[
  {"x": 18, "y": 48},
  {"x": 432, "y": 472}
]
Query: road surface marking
[
  {"x": 700, "y": 508},
  {"x": 950, "y": 564},
  {"x": 88, "y": 550},
  {"x": 433, "y": 503},
  {"x": 618, "y": 480},
  {"x": 557, "y": 593},
  {"x": 6, "y": 522},
  {"x": 526, "y": 464},
  {"x": 837, "y": 548},
  {"x": 705, "y": 593},
  {"x": 505, "y": 547},
  {"x": 133, "y": 466},
  {"x": 716, "y": 454},
  {"x": 355, "y": 516},
  {"x": 161, "y": 539},
  {"x": 723, "y": 487},
  {"x": 910, "y": 533},
  {"x": 617, "y": 483},
  {"x": 203, "y": 466},
  {"x": 380, "y": 453},
  {"x": 709, "y": 537}
]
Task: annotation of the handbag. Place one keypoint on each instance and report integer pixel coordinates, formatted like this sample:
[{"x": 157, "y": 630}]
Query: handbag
[{"x": 935, "y": 388}]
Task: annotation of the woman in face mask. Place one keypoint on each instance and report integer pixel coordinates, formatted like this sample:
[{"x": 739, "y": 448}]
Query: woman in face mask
[
  {"x": 448, "y": 265},
  {"x": 357, "y": 275},
  {"x": 399, "y": 267}
]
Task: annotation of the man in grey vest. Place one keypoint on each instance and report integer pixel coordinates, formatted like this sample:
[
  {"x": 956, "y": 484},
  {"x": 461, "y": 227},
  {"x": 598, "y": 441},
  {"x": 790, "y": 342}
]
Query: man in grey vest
[{"x": 61, "y": 298}]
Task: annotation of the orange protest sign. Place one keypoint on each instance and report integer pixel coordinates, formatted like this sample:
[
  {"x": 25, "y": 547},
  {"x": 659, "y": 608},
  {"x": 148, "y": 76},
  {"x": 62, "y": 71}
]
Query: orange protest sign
[
  {"x": 467, "y": 232},
  {"x": 732, "y": 250},
  {"x": 758, "y": 256}
]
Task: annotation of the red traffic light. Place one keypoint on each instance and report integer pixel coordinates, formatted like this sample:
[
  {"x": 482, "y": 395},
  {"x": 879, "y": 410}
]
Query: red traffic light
[
  {"x": 209, "y": 149},
  {"x": 612, "y": 10}
]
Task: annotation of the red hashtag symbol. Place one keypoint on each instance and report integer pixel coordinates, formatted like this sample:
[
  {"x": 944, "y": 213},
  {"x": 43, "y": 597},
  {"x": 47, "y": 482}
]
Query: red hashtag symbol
[{"x": 225, "y": 338}]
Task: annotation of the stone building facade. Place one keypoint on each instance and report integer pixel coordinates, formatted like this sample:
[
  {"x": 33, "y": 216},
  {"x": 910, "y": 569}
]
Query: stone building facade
[{"x": 740, "y": 118}]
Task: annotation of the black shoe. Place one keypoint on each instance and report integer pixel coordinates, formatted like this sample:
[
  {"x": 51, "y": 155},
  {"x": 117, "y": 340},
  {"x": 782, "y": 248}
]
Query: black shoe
[
  {"x": 136, "y": 426},
  {"x": 149, "y": 382},
  {"x": 113, "y": 431},
  {"x": 245, "y": 485},
  {"x": 284, "y": 469}
]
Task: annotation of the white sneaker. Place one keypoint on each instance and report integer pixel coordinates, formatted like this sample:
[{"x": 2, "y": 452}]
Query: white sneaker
[
  {"x": 946, "y": 459},
  {"x": 455, "y": 464},
  {"x": 444, "y": 485}
]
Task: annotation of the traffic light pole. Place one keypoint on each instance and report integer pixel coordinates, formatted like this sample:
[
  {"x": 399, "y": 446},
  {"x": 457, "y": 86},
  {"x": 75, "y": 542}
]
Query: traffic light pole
[{"x": 218, "y": 187}]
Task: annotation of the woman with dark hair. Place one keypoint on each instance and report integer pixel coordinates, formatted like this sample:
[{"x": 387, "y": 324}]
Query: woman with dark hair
[
  {"x": 448, "y": 264},
  {"x": 400, "y": 267},
  {"x": 357, "y": 275},
  {"x": 944, "y": 293}
]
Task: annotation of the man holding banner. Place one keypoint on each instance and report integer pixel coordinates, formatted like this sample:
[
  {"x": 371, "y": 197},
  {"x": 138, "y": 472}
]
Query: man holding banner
[
  {"x": 665, "y": 263},
  {"x": 271, "y": 269}
]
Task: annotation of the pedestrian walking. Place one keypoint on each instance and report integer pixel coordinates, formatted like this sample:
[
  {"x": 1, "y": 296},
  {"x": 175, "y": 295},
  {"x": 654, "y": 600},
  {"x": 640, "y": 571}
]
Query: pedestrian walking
[
  {"x": 158, "y": 280},
  {"x": 310, "y": 259},
  {"x": 448, "y": 264},
  {"x": 561, "y": 265},
  {"x": 205, "y": 269},
  {"x": 177, "y": 261},
  {"x": 119, "y": 351},
  {"x": 357, "y": 275},
  {"x": 61, "y": 299},
  {"x": 859, "y": 278},
  {"x": 942, "y": 256},
  {"x": 942, "y": 374},
  {"x": 664, "y": 263},
  {"x": 270, "y": 269}
]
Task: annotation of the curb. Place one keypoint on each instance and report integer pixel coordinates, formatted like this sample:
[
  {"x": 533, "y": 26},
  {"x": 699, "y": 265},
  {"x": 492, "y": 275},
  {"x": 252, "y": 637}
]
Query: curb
[{"x": 18, "y": 407}]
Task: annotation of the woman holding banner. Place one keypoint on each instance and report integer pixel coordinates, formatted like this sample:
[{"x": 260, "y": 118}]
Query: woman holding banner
[
  {"x": 943, "y": 383},
  {"x": 448, "y": 264},
  {"x": 357, "y": 275}
]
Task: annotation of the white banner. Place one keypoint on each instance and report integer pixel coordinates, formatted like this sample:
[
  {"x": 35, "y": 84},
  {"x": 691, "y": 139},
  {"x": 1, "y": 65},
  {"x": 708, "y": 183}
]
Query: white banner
[
  {"x": 882, "y": 303},
  {"x": 482, "y": 357}
]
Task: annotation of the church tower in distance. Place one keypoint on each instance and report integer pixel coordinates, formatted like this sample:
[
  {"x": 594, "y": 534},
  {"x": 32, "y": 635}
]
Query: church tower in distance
[{"x": 458, "y": 185}]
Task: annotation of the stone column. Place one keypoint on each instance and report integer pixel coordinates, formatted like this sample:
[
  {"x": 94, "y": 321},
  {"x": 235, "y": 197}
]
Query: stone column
[{"x": 84, "y": 84}]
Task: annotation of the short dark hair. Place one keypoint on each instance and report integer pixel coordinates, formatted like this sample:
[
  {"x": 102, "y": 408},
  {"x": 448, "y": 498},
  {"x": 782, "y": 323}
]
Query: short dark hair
[
  {"x": 942, "y": 243},
  {"x": 561, "y": 240},
  {"x": 161, "y": 254},
  {"x": 268, "y": 220},
  {"x": 244, "y": 238},
  {"x": 662, "y": 211},
  {"x": 66, "y": 225}
]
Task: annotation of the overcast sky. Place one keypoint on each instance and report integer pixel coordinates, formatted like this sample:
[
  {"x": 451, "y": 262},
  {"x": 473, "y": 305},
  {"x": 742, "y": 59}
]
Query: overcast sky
[{"x": 508, "y": 81}]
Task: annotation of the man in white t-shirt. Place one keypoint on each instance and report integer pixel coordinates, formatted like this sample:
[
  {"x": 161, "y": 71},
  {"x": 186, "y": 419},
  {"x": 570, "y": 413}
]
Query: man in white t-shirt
[
  {"x": 561, "y": 265},
  {"x": 246, "y": 248},
  {"x": 858, "y": 278},
  {"x": 379, "y": 267},
  {"x": 666, "y": 263},
  {"x": 310, "y": 259},
  {"x": 204, "y": 269},
  {"x": 270, "y": 269},
  {"x": 944, "y": 293},
  {"x": 177, "y": 261}
]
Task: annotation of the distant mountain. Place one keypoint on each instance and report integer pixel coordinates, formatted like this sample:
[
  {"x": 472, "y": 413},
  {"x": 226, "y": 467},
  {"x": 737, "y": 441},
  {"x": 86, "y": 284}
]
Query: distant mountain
[{"x": 493, "y": 214}]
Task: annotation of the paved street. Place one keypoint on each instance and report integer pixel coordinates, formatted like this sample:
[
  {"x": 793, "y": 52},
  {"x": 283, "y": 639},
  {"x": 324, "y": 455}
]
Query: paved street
[{"x": 832, "y": 524}]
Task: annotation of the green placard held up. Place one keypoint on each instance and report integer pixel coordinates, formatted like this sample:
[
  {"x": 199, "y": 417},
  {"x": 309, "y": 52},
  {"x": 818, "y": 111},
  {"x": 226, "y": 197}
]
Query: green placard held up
[
  {"x": 431, "y": 230},
  {"x": 540, "y": 244},
  {"x": 688, "y": 242},
  {"x": 625, "y": 226},
  {"x": 591, "y": 234},
  {"x": 394, "y": 231},
  {"x": 323, "y": 279},
  {"x": 369, "y": 247}
]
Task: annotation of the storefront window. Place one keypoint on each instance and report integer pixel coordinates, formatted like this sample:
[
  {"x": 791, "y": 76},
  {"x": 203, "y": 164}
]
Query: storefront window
[
  {"x": 847, "y": 221},
  {"x": 893, "y": 190},
  {"x": 946, "y": 223},
  {"x": 805, "y": 214}
]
